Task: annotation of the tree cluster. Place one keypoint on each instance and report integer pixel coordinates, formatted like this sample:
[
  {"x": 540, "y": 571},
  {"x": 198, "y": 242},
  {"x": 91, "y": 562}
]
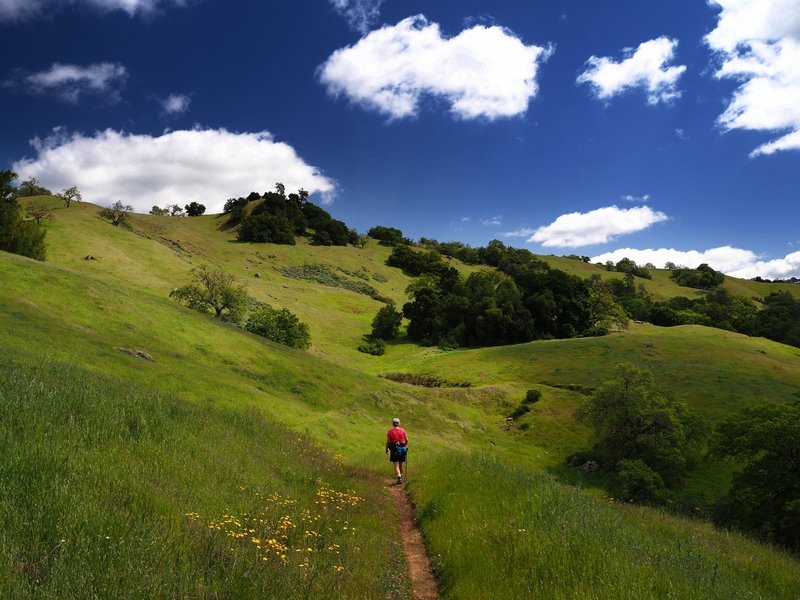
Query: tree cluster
[
  {"x": 215, "y": 291},
  {"x": 277, "y": 218},
  {"x": 626, "y": 265},
  {"x": 387, "y": 236},
  {"x": 31, "y": 187},
  {"x": 17, "y": 235},
  {"x": 701, "y": 278}
]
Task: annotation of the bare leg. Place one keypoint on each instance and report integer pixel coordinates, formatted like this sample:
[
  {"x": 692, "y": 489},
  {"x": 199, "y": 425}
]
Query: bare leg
[{"x": 398, "y": 469}]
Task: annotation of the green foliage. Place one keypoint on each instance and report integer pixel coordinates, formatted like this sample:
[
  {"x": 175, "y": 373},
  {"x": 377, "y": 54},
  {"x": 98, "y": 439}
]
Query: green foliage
[
  {"x": 417, "y": 263},
  {"x": 388, "y": 236},
  {"x": 193, "y": 209},
  {"x": 279, "y": 325},
  {"x": 386, "y": 324},
  {"x": 157, "y": 211},
  {"x": 703, "y": 277},
  {"x": 17, "y": 235},
  {"x": 375, "y": 347},
  {"x": 780, "y": 319},
  {"x": 213, "y": 290},
  {"x": 379, "y": 277},
  {"x": 765, "y": 497},
  {"x": 635, "y": 419},
  {"x": 532, "y": 397},
  {"x": 626, "y": 265},
  {"x": 117, "y": 213},
  {"x": 325, "y": 276},
  {"x": 265, "y": 227},
  {"x": 321, "y": 238},
  {"x": 638, "y": 482},
  {"x": 604, "y": 311}
]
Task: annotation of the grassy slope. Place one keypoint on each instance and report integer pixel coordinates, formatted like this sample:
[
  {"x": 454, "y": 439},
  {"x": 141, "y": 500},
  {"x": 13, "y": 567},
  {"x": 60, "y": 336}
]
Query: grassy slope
[{"x": 81, "y": 311}]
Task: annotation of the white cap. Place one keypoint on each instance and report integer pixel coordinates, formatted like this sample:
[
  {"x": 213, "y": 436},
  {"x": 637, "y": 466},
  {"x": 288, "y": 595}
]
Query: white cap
[{"x": 395, "y": 421}]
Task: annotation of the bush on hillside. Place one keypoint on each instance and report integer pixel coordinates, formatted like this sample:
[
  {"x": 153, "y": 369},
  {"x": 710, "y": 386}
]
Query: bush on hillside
[
  {"x": 386, "y": 324},
  {"x": 388, "y": 236},
  {"x": 265, "y": 227},
  {"x": 702, "y": 278},
  {"x": 31, "y": 187},
  {"x": 375, "y": 347},
  {"x": 279, "y": 325},
  {"x": 638, "y": 482}
]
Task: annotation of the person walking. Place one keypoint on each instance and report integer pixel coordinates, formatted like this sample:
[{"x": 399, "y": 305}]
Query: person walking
[{"x": 397, "y": 448}]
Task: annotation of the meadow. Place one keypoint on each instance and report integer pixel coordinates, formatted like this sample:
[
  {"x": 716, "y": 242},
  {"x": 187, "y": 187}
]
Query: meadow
[{"x": 224, "y": 438}]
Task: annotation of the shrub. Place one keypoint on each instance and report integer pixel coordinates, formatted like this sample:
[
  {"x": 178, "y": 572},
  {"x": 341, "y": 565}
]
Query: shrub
[
  {"x": 279, "y": 325},
  {"x": 374, "y": 347},
  {"x": 532, "y": 396},
  {"x": 386, "y": 324},
  {"x": 16, "y": 235},
  {"x": 638, "y": 481}
]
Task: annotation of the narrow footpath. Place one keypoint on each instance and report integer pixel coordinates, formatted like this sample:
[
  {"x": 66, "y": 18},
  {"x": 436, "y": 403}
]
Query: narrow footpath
[{"x": 423, "y": 584}]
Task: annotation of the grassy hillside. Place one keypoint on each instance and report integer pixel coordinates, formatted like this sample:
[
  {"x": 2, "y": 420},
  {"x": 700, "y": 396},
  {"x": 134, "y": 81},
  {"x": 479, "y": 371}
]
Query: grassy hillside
[{"x": 160, "y": 449}]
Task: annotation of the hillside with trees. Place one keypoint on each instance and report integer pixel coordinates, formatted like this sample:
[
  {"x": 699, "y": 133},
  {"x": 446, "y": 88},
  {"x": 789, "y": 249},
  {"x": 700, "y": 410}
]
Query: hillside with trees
[{"x": 185, "y": 347}]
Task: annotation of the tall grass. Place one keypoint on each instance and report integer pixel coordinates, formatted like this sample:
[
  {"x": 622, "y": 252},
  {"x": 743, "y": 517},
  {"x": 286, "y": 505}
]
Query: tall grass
[
  {"x": 499, "y": 532},
  {"x": 112, "y": 490}
]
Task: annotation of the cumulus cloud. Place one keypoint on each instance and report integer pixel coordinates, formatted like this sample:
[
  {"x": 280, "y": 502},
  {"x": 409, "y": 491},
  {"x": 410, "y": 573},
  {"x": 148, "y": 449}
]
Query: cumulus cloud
[
  {"x": 19, "y": 10},
  {"x": 70, "y": 82},
  {"x": 202, "y": 165},
  {"x": 736, "y": 262},
  {"x": 175, "y": 104},
  {"x": 360, "y": 15},
  {"x": 758, "y": 45},
  {"x": 645, "y": 67},
  {"x": 483, "y": 72},
  {"x": 494, "y": 221},
  {"x": 594, "y": 227}
]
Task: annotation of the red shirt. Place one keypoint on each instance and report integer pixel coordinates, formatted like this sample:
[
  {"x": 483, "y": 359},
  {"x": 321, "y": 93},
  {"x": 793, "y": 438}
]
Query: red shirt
[{"x": 397, "y": 435}]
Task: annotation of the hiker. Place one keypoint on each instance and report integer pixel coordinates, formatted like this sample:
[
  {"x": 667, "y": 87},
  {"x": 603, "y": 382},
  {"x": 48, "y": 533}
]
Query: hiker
[{"x": 397, "y": 448}]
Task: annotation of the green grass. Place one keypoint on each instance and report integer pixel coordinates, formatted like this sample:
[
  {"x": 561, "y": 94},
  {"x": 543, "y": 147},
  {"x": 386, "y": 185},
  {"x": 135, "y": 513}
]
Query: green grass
[
  {"x": 500, "y": 532},
  {"x": 114, "y": 490},
  {"x": 204, "y": 407}
]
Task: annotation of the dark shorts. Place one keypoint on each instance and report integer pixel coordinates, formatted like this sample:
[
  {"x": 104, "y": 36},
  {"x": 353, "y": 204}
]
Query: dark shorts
[{"x": 396, "y": 456}]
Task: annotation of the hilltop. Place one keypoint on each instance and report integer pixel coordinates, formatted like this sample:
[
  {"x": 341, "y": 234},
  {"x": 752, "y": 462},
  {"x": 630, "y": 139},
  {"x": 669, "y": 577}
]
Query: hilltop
[{"x": 288, "y": 419}]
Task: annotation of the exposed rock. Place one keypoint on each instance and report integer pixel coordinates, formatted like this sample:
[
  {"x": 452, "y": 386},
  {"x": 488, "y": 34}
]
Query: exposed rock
[
  {"x": 137, "y": 353},
  {"x": 590, "y": 466}
]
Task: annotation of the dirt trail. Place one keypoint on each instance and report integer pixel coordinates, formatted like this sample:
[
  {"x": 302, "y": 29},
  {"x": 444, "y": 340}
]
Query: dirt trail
[{"x": 423, "y": 583}]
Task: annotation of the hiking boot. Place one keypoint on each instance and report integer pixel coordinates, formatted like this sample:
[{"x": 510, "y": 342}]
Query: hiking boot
[{"x": 399, "y": 480}]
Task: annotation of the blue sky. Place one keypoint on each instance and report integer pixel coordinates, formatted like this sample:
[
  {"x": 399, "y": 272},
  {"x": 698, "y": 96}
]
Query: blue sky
[{"x": 654, "y": 130}]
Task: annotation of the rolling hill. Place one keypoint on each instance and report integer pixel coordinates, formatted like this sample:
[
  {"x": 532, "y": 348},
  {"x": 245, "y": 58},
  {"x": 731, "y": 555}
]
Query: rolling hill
[{"x": 206, "y": 411}]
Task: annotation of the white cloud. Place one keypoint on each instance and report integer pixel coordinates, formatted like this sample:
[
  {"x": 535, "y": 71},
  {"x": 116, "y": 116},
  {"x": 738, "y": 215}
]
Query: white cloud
[
  {"x": 494, "y": 221},
  {"x": 70, "y": 82},
  {"x": 202, "y": 165},
  {"x": 483, "y": 72},
  {"x": 594, "y": 227},
  {"x": 464, "y": 219},
  {"x": 645, "y": 67},
  {"x": 18, "y": 10},
  {"x": 758, "y": 45},
  {"x": 175, "y": 104},
  {"x": 731, "y": 261},
  {"x": 360, "y": 15},
  {"x": 631, "y": 198}
]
